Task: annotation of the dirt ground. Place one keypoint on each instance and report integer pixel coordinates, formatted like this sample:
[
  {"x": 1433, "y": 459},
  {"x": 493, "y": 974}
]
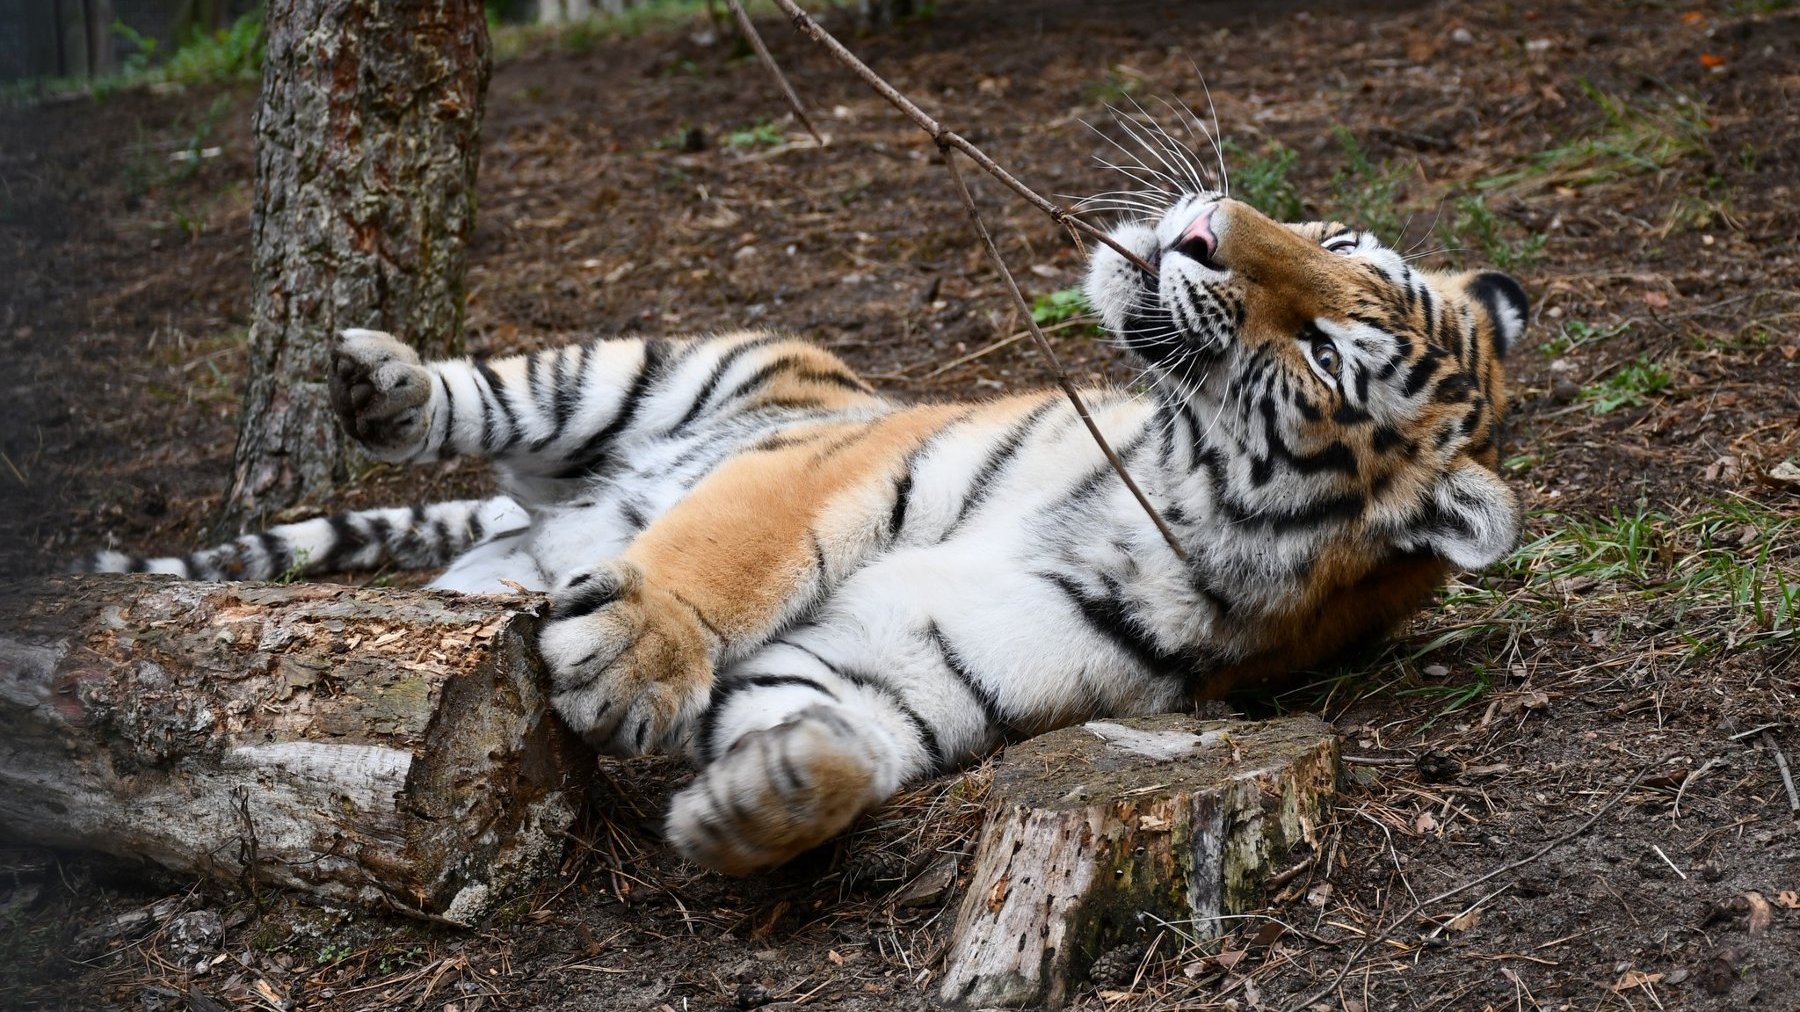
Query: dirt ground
[{"x": 1635, "y": 164}]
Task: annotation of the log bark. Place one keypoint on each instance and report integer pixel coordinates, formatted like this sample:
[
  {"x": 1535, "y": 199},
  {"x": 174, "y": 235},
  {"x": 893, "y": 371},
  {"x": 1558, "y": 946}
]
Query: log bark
[
  {"x": 364, "y": 205},
  {"x": 1097, "y": 833},
  {"x": 375, "y": 747}
]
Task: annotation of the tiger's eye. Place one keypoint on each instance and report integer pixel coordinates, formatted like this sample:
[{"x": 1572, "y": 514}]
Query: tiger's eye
[{"x": 1327, "y": 357}]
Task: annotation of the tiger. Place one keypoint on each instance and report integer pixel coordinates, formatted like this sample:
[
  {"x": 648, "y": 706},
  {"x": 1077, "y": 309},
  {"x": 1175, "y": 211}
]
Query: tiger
[{"x": 822, "y": 594}]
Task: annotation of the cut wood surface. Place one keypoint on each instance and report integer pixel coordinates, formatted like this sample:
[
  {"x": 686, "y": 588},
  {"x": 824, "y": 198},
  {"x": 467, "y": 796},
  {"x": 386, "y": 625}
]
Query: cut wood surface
[
  {"x": 1098, "y": 834},
  {"x": 378, "y": 747}
]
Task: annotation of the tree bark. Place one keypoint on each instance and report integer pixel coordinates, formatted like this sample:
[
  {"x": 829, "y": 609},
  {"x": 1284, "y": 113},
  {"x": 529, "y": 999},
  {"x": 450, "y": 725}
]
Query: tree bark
[
  {"x": 383, "y": 748},
  {"x": 1096, "y": 833},
  {"x": 366, "y": 151}
]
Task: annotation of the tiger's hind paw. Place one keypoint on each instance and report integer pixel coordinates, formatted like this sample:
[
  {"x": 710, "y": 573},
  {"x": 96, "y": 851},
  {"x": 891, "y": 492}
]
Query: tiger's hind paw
[
  {"x": 781, "y": 791},
  {"x": 629, "y": 667},
  {"x": 381, "y": 393}
]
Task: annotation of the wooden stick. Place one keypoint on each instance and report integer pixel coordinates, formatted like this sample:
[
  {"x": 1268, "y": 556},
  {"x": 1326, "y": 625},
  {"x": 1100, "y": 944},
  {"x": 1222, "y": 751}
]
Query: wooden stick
[
  {"x": 768, "y": 60},
  {"x": 949, "y": 142},
  {"x": 1043, "y": 344},
  {"x": 1787, "y": 778},
  {"x": 804, "y": 23}
]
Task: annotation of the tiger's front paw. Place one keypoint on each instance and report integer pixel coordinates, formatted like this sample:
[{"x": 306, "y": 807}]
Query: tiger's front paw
[
  {"x": 630, "y": 668},
  {"x": 781, "y": 791},
  {"x": 381, "y": 393}
]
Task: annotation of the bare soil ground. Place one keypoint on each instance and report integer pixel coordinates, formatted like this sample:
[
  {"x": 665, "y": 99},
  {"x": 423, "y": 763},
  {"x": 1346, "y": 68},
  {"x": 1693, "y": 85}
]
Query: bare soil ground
[{"x": 1633, "y": 163}]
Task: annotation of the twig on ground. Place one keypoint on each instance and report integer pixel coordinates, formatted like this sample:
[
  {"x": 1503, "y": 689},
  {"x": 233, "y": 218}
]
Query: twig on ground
[
  {"x": 949, "y": 143},
  {"x": 1379, "y": 935},
  {"x": 1787, "y": 776},
  {"x": 1672, "y": 865}
]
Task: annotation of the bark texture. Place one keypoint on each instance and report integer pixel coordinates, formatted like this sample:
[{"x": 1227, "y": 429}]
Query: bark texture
[
  {"x": 382, "y": 748},
  {"x": 366, "y": 152},
  {"x": 1095, "y": 833}
]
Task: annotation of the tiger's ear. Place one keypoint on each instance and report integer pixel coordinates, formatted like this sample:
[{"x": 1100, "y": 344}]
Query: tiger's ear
[
  {"x": 1471, "y": 518},
  {"x": 1506, "y": 306}
]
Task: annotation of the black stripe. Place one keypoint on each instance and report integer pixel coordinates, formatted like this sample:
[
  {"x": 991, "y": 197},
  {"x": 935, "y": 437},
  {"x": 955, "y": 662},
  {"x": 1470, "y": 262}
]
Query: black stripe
[
  {"x": 902, "y": 496},
  {"x": 592, "y": 455},
  {"x": 275, "y": 554},
  {"x": 448, "y": 446},
  {"x": 705, "y": 392},
  {"x": 1420, "y": 373},
  {"x": 982, "y": 484},
  {"x": 928, "y": 739},
  {"x": 1109, "y": 617},
  {"x": 953, "y": 662},
  {"x": 761, "y": 377},
  {"x": 498, "y": 389}
]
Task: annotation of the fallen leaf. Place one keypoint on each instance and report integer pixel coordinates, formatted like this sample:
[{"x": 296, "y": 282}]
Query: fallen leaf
[
  {"x": 836, "y": 959},
  {"x": 1692, "y": 18},
  {"x": 1635, "y": 978},
  {"x": 1785, "y": 472},
  {"x": 1320, "y": 894},
  {"x": 1788, "y": 898},
  {"x": 1464, "y": 921},
  {"x": 1711, "y": 60},
  {"x": 1761, "y": 914},
  {"x": 1656, "y": 299},
  {"x": 1425, "y": 823}
]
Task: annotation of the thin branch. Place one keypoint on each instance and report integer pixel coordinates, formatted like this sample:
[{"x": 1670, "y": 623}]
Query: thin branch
[
  {"x": 1043, "y": 343},
  {"x": 804, "y": 23},
  {"x": 949, "y": 143},
  {"x": 1375, "y": 939},
  {"x": 768, "y": 60}
]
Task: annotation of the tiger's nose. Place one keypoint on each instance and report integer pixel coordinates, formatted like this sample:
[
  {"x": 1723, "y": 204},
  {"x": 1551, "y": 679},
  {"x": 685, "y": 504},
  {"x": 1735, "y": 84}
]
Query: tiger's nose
[{"x": 1197, "y": 242}]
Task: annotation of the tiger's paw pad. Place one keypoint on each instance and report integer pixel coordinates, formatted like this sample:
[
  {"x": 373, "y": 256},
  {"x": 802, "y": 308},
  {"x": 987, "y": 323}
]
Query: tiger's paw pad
[
  {"x": 621, "y": 674},
  {"x": 779, "y": 792},
  {"x": 381, "y": 393}
]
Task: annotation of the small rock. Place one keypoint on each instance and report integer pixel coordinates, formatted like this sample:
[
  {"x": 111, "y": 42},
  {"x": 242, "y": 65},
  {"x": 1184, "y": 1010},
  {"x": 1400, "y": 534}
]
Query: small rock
[
  {"x": 1462, "y": 36},
  {"x": 1564, "y": 390},
  {"x": 752, "y": 995},
  {"x": 196, "y": 932},
  {"x": 1437, "y": 767},
  {"x": 932, "y": 885}
]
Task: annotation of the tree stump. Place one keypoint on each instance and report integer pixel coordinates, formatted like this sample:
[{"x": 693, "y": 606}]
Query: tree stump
[
  {"x": 376, "y": 747},
  {"x": 1096, "y": 832}
]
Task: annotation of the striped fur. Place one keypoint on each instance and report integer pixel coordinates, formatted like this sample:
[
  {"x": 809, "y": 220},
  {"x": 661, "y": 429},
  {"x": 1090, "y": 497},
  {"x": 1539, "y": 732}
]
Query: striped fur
[{"x": 823, "y": 594}]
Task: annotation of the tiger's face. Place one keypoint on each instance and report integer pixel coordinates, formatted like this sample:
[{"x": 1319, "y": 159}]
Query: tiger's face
[{"x": 1328, "y": 378}]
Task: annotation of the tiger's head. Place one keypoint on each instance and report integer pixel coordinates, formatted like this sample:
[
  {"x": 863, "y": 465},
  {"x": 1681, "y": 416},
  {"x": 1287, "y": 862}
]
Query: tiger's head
[{"x": 1332, "y": 384}]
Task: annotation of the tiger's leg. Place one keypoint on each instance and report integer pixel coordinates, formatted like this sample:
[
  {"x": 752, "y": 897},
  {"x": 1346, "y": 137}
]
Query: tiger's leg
[
  {"x": 633, "y": 643},
  {"x": 817, "y": 728},
  {"x": 564, "y": 413}
]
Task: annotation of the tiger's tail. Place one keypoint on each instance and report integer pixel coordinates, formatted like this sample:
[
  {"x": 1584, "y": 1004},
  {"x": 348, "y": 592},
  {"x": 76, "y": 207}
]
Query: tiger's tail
[{"x": 415, "y": 537}]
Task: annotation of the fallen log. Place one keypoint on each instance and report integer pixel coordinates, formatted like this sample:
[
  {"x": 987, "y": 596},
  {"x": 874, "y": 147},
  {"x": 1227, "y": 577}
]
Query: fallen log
[
  {"x": 1098, "y": 834},
  {"x": 373, "y": 747}
]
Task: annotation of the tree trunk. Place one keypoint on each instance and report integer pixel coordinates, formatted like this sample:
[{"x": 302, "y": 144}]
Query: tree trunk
[
  {"x": 1096, "y": 833},
  {"x": 366, "y": 149},
  {"x": 382, "y": 748}
]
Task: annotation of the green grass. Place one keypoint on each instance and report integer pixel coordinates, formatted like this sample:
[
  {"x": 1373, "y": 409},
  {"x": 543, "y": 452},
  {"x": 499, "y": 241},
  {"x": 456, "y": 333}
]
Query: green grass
[
  {"x": 1629, "y": 386},
  {"x": 1576, "y": 334},
  {"x": 1059, "y": 306},
  {"x": 764, "y": 133},
  {"x": 1474, "y": 226},
  {"x": 1630, "y": 139},
  {"x": 1723, "y": 576},
  {"x": 1261, "y": 179},
  {"x": 231, "y": 55}
]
